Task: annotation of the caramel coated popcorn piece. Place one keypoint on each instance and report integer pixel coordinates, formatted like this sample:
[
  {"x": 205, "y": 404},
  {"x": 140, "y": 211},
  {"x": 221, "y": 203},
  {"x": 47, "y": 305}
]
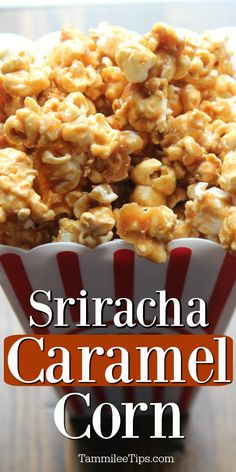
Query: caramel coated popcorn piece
[
  {"x": 114, "y": 82},
  {"x": 208, "y": 209},
  {"x": 152, "y": 172},
  {"x": 22, "y": 76},
  {"x": 79, "y": 78},
  {"x": 194, "y": 124},
  {"x": 73, "y": 46},
  {"x": 135, "y": 61},
  {"x": 103, "y": 194},
  {"x": 31, "y": 126},
  {"x": 149, "y": 229},
  {"x": 163, "y": 36},
  {"x": 221, "y": 109},
  {"x": 82, "y": 202},
  {"x": 227, "y": 180},
  {"x": 108, "y": 37},
  {"x": 168, "y": 46},
  {"x": 17, "y": 196},
  {"x": 145, "y": 106},
  {"x": 184, "y": 230},
  {"x": 62, "y": 173},
  {"x": 94, "y": 227},
  {"x": 147, "y": 196},
  {"x": 24, "y": 234},
  {"x": 228, "y": 230},
  {"x": 92, "y": 133}
]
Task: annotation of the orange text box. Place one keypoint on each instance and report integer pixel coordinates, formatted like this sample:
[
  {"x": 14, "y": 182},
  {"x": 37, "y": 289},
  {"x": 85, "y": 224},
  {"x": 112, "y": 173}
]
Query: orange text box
[{"x": 192, "y": 360}]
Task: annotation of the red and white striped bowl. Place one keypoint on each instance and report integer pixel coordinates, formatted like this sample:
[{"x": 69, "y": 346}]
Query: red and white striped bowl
[{"x": 195, "y": 268}]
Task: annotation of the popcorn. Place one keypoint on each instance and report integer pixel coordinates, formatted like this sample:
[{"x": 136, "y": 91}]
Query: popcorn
[
  {"x": 224, "y": 137},
  {"x": 149, "y": 229},
  {"x": 114, "y": 169},
  {"x": 92, "y": 133},
  {"x": 225, "y": 87},
  {"x": 208, "y": 209},
  {"x": 17, "y": 196},
  {"x": 119, "y": 135},
  {"x": 194, "y": 124},
  {"x": 220, "y": 109},
  {"x": 152, "y": 172},
  {"x": 144, "y": 107},
  {"x": 209, "y": 170},
  {"x": 227, "y": 180},
  {"x": 94, "y": 227},
  {"x": 135, "y": 61},
  {"x": 82, "y": 201},
  {"x": 190, "y": 97},
  {"x": 179, "y": 195},
  {"x": 108, "y": 38},
  {"x": 147, "y": 196},
  {"x": 174, "y": 99},
  {"x": 114, "y": 82},
  {"x": 31, "y": 126},
  {"x": 23, "y": 77},
  {"x": 103, "y": 194},
  {"x": 168, "y": 45},
  {"x": 79, "y": 78},
  {"x": 62, "y": 173},
  {"x": 228, "y": 230},
  {"x": 73, "y": 45},
  {"x": 24, "y": 234},
  {"x": 184, "y": 230}
]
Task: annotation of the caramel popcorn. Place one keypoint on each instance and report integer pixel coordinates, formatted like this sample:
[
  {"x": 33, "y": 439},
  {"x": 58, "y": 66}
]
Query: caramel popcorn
[
  {"x": 208, "y": 209},
  {"x": 79, "y": 78},
  {"x": 152, "y": 172},
  {"x": 92, "y": 133},
  {"x": 94, "y": 227},
  {"x": 81, "y": 202},
  {"x": 17, "y": 195},
  {"x": 25, "y": 234},
  {"x": 228, "y": 230},
  {"x": 30, "y": 126},
  {"x": 227, "y": 180},
  {"x": 114, "y": 83},
  {"x": 23, "y": 77},
  {"x": 108, "y": 37},
  {"x": 135, "y": 61},
  {"x": 149, "y": 229},
  {"x": 144, "y": 106},
  {"x": 118, "y": 135},
  {"x": 184, "y": 230}
]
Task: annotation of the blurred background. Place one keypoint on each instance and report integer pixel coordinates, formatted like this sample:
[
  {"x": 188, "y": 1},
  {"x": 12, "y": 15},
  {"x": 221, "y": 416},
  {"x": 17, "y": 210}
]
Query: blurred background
[
  {"x": 29, "y": 440},
  {"x": 31, "y": 16}
]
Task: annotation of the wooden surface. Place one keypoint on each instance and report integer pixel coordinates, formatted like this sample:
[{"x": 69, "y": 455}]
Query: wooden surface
[{"x": 29, "y": 440}]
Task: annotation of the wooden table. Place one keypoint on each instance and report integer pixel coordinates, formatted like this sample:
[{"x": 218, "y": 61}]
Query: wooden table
[{"x": 29, "y": 440}]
